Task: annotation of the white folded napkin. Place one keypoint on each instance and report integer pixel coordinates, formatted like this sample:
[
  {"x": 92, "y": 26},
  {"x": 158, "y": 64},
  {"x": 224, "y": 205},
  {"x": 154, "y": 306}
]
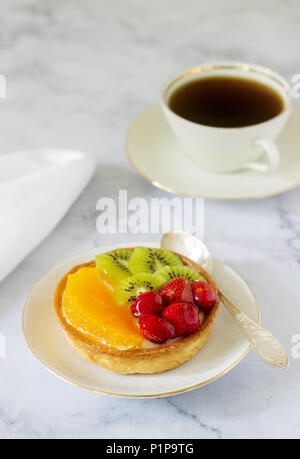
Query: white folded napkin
[{"x": 36, "y": 190}]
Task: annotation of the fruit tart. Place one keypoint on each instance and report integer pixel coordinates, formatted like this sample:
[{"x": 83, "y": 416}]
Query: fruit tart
[{"x": 137, "y": 310}]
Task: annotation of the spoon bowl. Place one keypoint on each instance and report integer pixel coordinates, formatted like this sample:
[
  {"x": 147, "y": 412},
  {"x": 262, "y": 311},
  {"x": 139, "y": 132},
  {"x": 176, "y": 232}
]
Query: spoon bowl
[{"x": 190, "y": 246}]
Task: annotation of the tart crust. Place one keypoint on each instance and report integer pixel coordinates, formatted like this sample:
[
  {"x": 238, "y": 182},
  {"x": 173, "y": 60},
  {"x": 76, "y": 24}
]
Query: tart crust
[{"x": 129, "y": 361}]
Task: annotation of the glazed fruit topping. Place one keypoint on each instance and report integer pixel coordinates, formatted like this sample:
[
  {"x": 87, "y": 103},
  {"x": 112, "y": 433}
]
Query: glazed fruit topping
[
  {"x": 146, "y": 260},
  {"x": 173, "y": 312},
  {"x": 129, "y": 289},
  {"x": 178, "y": 289},
  {"x": 147, "y": 303},
  {"x": 184, "y": 316},
  {"x": 204, "y": 295},
  {"x": 156, "y": 329}
]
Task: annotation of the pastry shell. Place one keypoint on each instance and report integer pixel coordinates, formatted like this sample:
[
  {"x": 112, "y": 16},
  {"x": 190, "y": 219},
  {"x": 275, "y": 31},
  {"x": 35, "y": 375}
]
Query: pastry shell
[{"x": 147, "y": 360}]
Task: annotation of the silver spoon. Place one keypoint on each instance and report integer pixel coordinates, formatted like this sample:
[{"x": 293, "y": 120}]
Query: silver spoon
[{"x": 264, "y": 343}]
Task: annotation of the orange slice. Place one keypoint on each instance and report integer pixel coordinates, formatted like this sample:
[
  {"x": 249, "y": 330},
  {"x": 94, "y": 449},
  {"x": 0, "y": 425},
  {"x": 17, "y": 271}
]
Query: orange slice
[{"x": 89, "y": 306}]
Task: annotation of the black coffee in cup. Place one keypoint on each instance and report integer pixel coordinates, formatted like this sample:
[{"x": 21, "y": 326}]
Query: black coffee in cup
[{"x": 226, "y": 102}]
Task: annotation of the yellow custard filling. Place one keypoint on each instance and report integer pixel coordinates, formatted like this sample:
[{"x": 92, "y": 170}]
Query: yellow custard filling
[{"x": 89, "y": 306}]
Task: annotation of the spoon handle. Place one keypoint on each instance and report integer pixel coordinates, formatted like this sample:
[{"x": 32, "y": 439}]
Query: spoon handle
[{"x": 264, "y": 343}]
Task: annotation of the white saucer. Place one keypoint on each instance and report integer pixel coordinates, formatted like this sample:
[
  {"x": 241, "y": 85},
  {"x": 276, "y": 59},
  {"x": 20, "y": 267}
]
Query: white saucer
[
  {"x": 158, "y": 156},
  {"x": 226, "y": 346}
]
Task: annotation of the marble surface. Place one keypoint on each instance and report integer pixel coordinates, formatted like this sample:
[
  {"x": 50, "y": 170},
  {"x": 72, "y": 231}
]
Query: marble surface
[{"x": 77, "y": 74}]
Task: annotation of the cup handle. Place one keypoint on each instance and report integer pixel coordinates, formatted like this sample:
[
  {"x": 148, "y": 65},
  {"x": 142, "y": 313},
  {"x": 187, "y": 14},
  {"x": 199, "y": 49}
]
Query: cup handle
[{"x": 272, "y": 153}]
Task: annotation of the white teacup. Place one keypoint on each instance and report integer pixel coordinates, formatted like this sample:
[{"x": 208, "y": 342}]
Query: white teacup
[{"x": 230, "y": 149}]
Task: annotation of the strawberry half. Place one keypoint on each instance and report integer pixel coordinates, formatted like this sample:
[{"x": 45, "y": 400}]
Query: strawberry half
[
  {"x": 204, "y": 295},
  {"x": 184, "y": 317},
  {"x": 156, "y": 329},
  {"x": 147, "y": 303},
  {"x": 177, "y": 289}
]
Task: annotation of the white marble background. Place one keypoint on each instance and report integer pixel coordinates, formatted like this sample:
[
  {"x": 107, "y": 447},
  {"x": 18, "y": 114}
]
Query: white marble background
[{"x": 77, "y": 73}]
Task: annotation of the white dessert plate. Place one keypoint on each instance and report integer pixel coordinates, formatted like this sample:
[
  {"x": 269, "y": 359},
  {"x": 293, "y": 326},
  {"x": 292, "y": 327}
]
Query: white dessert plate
[
  {"x": 225, "y": 348},
  {"x": 159, "y": 157}
]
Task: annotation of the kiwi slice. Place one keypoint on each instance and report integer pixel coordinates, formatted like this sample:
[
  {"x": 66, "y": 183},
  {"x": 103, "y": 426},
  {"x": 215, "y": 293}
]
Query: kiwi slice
[
  {"x": 129, "y": 289},
  {"x": 169, "y": 272},
  {"x": 115, "y": 264},
  {"x": 145, "y": 260}
]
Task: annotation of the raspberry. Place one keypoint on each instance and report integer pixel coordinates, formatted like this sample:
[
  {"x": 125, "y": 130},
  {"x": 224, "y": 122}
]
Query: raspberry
[
  {"x": 156, "y": 329},
  {"x": 204, "y": 295},
  {"x": 147, "y": 303},
  {"x": 177, "y": 289},
  {"x": 184, "y": 317}
]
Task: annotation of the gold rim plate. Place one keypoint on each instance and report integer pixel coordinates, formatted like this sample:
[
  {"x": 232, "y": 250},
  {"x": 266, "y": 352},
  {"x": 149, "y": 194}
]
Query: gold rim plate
[{"x": 57, "y": 271}]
